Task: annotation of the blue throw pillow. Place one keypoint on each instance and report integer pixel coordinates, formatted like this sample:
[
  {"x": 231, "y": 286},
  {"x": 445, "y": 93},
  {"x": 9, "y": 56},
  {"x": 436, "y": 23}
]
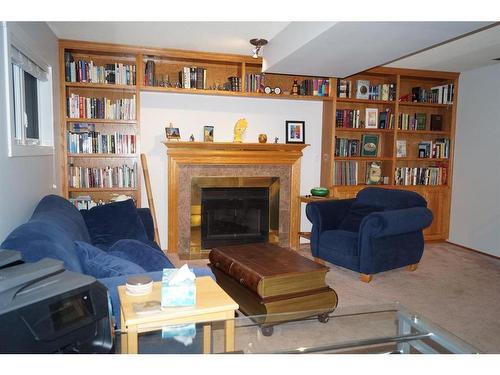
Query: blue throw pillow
[
  {"x": 356, "y": 214},
  {"x": 113, "y": 222},
  {"x": 145, "y": 256},
  {"x": 99, "y": 264}
]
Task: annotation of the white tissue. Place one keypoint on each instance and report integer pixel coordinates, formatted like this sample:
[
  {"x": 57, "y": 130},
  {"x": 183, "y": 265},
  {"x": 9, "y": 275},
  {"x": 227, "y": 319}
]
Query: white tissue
[{"x": 181, "y": 275}]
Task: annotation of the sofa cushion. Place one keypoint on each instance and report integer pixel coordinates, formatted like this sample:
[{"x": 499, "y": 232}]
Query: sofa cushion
[
  {"x": 355, "y": 215},
  {"x": 99, "y": 264},
  {"x": 113, "y": 222},
  {"x": 139, "y": 253}
]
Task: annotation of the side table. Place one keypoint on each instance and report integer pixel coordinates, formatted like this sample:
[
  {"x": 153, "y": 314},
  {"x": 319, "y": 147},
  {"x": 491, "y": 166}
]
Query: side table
[{"x": 212, "y": 304}]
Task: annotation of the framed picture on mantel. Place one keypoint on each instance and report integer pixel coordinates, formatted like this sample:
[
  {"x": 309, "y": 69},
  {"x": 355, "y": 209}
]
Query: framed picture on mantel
[{"x": 295, "y": 132}]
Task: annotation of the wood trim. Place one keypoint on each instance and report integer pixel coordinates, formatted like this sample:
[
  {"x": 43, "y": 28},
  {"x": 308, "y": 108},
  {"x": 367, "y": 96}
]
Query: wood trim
[
  {"x": 479, "y": 252},
  {"x": 229, "y": 146},
  {"x": 62, "y": 127},
  {"x": 295, "y": 206},
  {"x": 161, "y": 52},
  {"x": 413, "y": 72}
]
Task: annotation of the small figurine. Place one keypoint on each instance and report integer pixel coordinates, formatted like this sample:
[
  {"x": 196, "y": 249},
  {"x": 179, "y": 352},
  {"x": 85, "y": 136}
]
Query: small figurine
[
  {"x": 239, "y": 129},
  {"x": 295, "y": 87},
  {"x": 191, "y": 138},
  {"x": 276, "y": 140}
]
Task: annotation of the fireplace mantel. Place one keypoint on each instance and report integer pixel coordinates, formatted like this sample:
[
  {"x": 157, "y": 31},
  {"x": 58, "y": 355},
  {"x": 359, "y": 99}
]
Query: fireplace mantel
[{"x": 226, "y": 158}]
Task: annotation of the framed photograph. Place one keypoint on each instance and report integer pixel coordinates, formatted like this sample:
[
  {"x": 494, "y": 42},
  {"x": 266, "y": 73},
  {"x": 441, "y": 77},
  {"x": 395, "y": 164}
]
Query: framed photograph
[
  {"x": 172, "y": 133},
  {"x": 401, "y": 148},
  {"x": 369, "y": 145},
  {"x": 295, "y": 132},
  {"x": 208, "y": 133},
  {"x": 371, "y": 118},
  {"x": 362, "y": 89}
]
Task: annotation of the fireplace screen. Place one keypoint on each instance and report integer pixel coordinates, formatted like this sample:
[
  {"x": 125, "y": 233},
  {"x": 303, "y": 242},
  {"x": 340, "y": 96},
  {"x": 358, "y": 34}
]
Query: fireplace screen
[{"x": 234, "y": 215}]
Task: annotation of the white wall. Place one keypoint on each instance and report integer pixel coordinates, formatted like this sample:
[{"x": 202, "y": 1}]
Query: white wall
[
  {"x": 475, "y": 210},
  {"x": 25, "y": 180},
  {"x": 191, "y": 112}
]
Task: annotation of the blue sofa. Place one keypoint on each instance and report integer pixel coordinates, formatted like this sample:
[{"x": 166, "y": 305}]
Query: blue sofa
[
  {"x": 379, "y": 230},
  {"x": 79, "y": 239}
]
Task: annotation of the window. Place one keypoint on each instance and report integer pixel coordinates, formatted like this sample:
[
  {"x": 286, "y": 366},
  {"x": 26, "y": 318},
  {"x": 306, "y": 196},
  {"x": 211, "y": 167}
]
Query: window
[{"x": 30, "y": 81}]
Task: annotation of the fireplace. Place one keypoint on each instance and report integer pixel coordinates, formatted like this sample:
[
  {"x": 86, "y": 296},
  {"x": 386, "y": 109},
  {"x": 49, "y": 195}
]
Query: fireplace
[
  {"x": 233, "y": 210},
  {"x": 231, "y": 216}
]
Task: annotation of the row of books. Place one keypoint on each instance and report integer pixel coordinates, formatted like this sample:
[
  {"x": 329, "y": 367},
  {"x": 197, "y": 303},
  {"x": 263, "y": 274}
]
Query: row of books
[
  {"x": 78, "y": 106},
  {"x": 434, "y": 175},
  {"x": 96, "y": 143},
  {"x": 364, "y": 90},
  {"x": 314, "y": 87},
  {"x": 193, "y": 78},
  {"x": 345, "y": 173},
  {"x": 123, "y": 176},
  {"x": 255, "y": 82},
  {"x": 85, "y": 202},
  {"x": 350, "y": 118},
  {"x": 437, "y": 149},
  {"x": 233, "y": 84},
  {"x": 442, "y": 94},
  {"x": 87, "y": 71},
  {"x": 347, "y": 147},
  {"x": 417, "y": 121}
]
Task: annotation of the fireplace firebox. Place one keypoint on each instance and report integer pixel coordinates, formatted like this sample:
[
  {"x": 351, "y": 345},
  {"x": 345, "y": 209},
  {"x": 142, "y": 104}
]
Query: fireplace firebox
[{"x": 234, "y": 215}]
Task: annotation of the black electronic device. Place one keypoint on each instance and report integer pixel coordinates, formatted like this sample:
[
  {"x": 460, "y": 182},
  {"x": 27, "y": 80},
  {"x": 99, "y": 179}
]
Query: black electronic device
[{"x": 46, "y": 309}]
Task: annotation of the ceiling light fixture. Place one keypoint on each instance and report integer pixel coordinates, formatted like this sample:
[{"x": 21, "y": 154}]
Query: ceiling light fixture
[{"x": 257, "y": 43}]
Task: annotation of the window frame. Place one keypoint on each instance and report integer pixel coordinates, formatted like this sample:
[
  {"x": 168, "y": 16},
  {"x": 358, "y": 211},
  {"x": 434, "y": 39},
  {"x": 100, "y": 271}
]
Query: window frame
[{"x": 22, "y": 146}]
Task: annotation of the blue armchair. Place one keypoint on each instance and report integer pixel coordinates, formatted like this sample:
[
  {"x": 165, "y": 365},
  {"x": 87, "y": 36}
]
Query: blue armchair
[{"x": 379, "y": 230}]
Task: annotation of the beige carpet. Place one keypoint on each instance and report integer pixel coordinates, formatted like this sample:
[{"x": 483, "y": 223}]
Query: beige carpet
[{"x": 453, "y": 287}]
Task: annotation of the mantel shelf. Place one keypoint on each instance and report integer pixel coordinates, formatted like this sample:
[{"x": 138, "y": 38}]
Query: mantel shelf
[{"x": 229, "y": 146}]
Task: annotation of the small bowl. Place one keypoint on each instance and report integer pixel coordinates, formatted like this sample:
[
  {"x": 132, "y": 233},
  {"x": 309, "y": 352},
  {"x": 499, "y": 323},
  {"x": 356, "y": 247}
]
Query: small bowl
[{"x": 320, "y": 191}]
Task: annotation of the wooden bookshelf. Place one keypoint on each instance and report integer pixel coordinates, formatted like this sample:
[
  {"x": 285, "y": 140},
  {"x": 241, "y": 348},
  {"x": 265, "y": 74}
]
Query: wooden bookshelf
[
  {"x": 437, "y": 196},
  {"x": 168, "y": 63}
]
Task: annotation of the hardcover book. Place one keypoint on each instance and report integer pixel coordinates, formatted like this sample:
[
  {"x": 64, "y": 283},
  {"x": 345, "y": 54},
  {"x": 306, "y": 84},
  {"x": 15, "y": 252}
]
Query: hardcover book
[
  {"x": 369, "y": 145},
  {"x": 420, "y": 119},
  {"x": 436, "y": 122},
  {"x": 401, "y": 148},
  {"x": 362, "y": 89}
]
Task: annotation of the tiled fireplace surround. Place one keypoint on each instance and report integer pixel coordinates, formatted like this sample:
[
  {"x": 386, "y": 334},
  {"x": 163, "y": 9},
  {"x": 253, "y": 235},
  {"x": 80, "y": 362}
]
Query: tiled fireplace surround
[{"x": 187, "y": 160}]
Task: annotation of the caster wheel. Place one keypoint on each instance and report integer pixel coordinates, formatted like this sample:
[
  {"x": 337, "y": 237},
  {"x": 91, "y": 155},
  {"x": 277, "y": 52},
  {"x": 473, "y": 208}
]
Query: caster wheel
[
  {"x": 267, "y": 330},
  {"x": 323, "y": 318}
]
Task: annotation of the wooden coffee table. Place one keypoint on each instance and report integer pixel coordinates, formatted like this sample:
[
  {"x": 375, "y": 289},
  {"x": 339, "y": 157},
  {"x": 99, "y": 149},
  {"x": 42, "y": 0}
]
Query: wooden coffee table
[
  {"x": 212, "y": 304},
  {"x": 272, "y": 282}
]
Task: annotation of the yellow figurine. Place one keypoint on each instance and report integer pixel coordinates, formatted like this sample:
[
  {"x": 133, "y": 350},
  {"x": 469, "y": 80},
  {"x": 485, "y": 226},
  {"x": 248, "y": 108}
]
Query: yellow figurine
[{"x": 239, "y": 129}]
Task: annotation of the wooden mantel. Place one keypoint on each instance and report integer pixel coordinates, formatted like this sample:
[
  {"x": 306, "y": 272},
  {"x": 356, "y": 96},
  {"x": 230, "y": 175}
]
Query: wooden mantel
[{"x": 226, "y": 153}]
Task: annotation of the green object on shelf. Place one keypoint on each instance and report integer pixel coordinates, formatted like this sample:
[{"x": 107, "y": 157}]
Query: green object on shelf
[{"x": 320, "y": 191}]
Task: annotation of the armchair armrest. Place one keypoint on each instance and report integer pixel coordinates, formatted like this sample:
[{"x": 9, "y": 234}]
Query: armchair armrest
[
  {"x": 147, "y": 221},
  {"x": 389, "y": 223},
  {"x": 325, "y": 215}
]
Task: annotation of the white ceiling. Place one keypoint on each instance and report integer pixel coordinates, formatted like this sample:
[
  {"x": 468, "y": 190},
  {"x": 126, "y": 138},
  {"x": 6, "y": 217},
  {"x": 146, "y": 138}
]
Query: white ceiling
[
  {"x": 346, "y": 48},
  {"x": 469, "y": 52},
  {"x": 224, "y": 37},
  {"x": 311, "y": 48}
]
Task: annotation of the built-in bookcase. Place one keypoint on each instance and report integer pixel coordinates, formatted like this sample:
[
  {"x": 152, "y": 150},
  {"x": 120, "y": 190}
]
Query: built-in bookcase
[{"x": 401, "y": 143}]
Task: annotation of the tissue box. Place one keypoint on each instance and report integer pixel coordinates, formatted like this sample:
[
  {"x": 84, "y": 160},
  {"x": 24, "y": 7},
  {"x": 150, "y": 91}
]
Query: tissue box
[{"x": 182, "y": 294}]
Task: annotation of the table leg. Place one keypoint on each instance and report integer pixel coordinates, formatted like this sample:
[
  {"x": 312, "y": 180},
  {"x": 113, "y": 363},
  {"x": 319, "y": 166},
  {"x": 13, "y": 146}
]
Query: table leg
[
  {"x": 207, "y": 338},
  {"x": 229, "y": 325},
  {"x": 123, "y": 334},
  {"x": 132, "y": 340}
]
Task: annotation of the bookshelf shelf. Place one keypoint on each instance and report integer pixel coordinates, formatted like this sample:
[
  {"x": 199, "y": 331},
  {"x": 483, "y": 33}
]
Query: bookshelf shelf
[
  {"x": 364, "y": 130},
  {"x": 365, "y": 101},
  {"x": 232, "y": 93},
  {"x": 102, "y": 156},
  {"x": 81, "y": 190},
  {"x": 363, "y": 158},
  {"x": 428, "y": 105},
  {"x": 425, "y": 132},
  {"x": 100, "y": 121},
  {"x": 105, "y": 86}
]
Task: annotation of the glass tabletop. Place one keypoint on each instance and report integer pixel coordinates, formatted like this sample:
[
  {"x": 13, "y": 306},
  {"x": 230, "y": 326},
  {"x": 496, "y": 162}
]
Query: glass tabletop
[{"x": 357, "y": 329}]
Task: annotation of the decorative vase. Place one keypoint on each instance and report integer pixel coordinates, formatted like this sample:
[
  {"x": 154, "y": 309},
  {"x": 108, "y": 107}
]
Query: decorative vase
[{"x": 262, "y": 138}]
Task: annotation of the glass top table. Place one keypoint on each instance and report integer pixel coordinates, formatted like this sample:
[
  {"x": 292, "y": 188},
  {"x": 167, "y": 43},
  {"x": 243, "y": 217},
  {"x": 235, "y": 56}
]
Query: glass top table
[{"x": 358, "y": 329}]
